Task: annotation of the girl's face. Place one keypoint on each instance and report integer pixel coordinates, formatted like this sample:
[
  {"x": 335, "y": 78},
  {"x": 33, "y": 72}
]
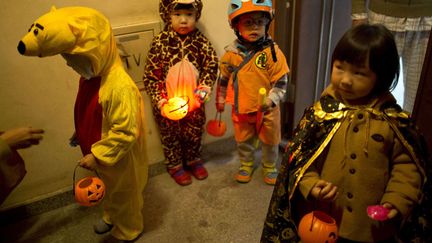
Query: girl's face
[
  {"x": 251, "y": 26},
  {"x": 183, "y": 21},
  {"x": 352, "y": 82}
]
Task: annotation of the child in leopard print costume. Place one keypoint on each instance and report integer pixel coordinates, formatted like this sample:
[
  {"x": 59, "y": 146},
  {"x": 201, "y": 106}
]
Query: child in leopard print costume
[{"x": 180, "y": 43}]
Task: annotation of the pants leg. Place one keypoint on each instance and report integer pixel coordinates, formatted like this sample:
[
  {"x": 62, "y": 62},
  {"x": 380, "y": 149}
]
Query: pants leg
[
  {"x": 192, "y": 128},
  {"x": 246, "y": 153},
  {"x": 171, "y": 145},
  {"x": 124, "y": 200},
  {"x": 246, "y": 150},
  {"x": 270, "y": 155}
]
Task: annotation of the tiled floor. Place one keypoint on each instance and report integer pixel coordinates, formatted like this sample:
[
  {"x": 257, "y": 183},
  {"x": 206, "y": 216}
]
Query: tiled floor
[{"x": 217, "y": 209}]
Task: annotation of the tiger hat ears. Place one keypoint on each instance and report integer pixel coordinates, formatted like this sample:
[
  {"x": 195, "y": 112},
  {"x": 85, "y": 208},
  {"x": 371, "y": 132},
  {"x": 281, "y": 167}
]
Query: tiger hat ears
[{"x": 166, "y": 6}]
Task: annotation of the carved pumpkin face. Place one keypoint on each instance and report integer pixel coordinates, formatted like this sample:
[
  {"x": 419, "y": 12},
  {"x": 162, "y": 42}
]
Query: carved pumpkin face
[
  {"x": 89, "y": 191},
  {"x": 216, "y": 128},
  {"x": 318, "y": 227},
  {"x": 176, "y": 108}
]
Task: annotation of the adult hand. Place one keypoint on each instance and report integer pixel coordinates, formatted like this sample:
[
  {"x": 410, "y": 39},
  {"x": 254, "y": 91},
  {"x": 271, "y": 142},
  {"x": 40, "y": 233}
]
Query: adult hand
[
  {"x": 324, "y": 191},
  {"x": 88, "y": 162},
  {"x": 22, "y": 137}
]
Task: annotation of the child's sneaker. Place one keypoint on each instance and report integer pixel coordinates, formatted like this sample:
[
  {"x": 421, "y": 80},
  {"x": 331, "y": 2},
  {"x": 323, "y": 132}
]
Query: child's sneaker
[
  {"x": 180, "y": 176},
  {"x": 101, "y": 227},
  {"x": 199, "y": 171},
  {"x": 270, "y": 178},
  {"x": 244, "y": 175}
]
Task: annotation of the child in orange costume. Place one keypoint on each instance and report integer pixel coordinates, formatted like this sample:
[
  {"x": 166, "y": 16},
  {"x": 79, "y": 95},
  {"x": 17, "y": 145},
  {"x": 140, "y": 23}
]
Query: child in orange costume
[{"x": 252, "y": 62}]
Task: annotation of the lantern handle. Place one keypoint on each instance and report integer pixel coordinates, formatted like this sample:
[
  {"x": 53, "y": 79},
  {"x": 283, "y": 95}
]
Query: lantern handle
[
  {"x": 73, "y": 184},
  {"x": 218, "y": 114}
]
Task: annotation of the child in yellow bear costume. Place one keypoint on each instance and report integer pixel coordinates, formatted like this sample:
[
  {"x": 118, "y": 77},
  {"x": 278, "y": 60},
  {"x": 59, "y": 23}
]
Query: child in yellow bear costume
[{"x": 108, "y": 110}]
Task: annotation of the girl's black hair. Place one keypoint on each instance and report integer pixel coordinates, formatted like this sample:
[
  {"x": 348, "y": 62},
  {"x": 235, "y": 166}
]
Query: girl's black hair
[{"x": 376, "y": 44}]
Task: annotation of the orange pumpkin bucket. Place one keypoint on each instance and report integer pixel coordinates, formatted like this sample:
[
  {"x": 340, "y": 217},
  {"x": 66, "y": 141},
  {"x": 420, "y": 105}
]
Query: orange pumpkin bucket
[
  {"x": 216, "y": 127},
  {"x": 317, "y": 227},
  {"x": 89, "y": 191}
]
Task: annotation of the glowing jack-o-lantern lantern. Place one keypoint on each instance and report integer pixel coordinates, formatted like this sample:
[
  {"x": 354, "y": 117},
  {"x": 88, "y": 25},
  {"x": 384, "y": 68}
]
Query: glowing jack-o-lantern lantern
[
  {"x": 176, "y": 108},
  {"x": 317, "y": 227},
  {"x": 89, "y": 191}
]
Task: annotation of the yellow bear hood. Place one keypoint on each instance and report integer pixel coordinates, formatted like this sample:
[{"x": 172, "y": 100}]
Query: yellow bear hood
[{"x": 73, "y": 30}]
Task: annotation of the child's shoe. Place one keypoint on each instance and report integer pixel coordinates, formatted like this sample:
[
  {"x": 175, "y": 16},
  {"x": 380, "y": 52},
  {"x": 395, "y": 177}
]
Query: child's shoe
[
  {"x": 270, "y": 178},
  {"x": 270, "y": 173},
  {"x": 244, "y": 175},
  {"x": 180, "y": 176},
  {"x": 198, "y": 171},
  {"x": 101, "y": 227}
]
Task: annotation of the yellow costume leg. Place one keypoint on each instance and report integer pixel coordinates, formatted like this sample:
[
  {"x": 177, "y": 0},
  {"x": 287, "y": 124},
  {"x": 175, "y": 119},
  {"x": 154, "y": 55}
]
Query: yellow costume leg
[{"x": 124, "y": 201}]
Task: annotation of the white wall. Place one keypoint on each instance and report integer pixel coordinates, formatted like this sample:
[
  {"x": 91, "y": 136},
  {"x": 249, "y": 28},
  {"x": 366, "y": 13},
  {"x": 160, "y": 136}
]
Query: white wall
[{"x": 41, "y": 91}]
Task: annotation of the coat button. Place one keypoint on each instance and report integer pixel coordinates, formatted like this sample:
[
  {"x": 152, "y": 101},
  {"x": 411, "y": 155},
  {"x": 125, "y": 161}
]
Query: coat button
[
  {"x": 352, "y": 171},
  {"x": 353, "y": 156},
  {"x": 360, "y": 116},
  {"x": 378, "y": 137},
  {"x": 355, "y": 129},
  {"x": 349, "y": 195},
  {"x": 349, "y": 209}
]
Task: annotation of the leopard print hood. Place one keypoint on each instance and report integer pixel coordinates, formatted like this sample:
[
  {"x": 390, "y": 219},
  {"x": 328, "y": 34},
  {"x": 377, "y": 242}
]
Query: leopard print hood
[{"x": 165, "y": 7}]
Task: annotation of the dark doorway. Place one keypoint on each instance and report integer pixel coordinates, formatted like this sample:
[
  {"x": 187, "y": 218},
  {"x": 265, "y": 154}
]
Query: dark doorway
[
  {"x": 421, "y": 111},
  {"x": 307, "y": 31}
]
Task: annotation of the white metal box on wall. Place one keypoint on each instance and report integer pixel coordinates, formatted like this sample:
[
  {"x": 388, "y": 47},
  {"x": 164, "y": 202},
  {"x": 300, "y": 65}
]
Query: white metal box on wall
[{"x": 134, "y": 42}]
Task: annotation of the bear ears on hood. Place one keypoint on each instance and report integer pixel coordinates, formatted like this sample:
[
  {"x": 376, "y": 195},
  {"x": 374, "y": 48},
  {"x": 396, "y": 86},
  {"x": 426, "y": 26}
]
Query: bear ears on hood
[
  {"x": 72, "y": 30},
  {"x": 65, "y": 30},
  {"x": 166, "y": 6}
]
